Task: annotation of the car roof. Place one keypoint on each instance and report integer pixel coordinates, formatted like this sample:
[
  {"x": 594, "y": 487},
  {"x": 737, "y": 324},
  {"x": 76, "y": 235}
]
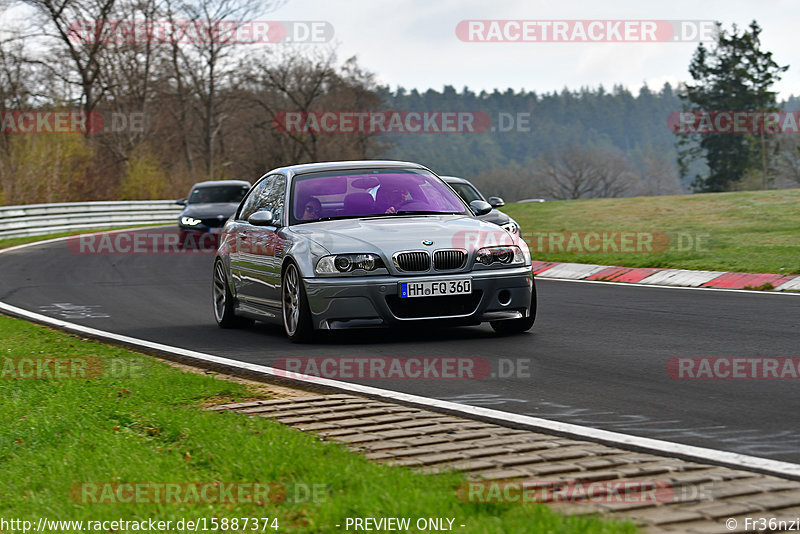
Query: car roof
[
  {"x": 222, "y": 182},
  {"x": 304, "y": 168}
]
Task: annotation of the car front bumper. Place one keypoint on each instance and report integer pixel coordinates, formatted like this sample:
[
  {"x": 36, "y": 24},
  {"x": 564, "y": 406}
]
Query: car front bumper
[
  {"x": 200, "y": 229},
  {"x": 358, "y": 302}
]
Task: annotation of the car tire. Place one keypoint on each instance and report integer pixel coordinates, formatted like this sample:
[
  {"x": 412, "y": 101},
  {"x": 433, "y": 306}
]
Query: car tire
[
  {"x": 294, "y": 307},
  {"x": 517, "y": 326},
  {"x": 223, "y": 301}
]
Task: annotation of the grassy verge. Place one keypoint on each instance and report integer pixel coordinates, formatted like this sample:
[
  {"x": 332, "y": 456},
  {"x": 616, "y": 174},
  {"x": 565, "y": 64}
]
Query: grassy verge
[
  {"x": 139, "y": 421},
  {"x": 744, "y": 231},
  {"x": 14, "y": 241}
]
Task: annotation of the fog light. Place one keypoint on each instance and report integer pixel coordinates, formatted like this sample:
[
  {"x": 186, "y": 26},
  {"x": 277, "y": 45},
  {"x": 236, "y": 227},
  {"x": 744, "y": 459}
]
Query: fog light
[{"x": 504, "y": 297}]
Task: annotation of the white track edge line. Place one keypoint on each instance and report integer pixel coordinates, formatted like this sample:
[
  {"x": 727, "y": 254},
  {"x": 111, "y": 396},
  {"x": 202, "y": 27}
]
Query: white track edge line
[
  {"x": 634, "y": 284},
  {"x": 730, "y": 459}
]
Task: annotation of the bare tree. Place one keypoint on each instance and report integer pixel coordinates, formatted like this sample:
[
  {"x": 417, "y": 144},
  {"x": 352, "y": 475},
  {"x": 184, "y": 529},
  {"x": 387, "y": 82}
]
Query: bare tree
[
  {"x": 513, "y": 182},
  {"x": 292, "y": 82},
  {"x": 15, "y": 90},
  {"x": 129, "y": 68},
  {"x": 614, "y": 176},
  {"x": 587, "y": 173},
  {"x": 660, "y": 177},
  {"x": 61, "y": 18},
  {"x": 299, "y": 82},
  {"x": 569, "y": 175},
  {"x": 204, "y": 65}
]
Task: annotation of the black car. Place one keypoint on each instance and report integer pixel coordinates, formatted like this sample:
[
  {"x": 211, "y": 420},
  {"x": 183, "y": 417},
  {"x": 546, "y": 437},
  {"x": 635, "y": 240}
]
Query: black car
[
  {"x": 469, "y": 192},
  {"x": 209, "y": 205}
]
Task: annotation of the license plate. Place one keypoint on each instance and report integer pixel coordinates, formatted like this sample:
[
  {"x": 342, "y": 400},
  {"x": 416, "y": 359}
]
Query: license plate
[{"x": 435, "y": 289}]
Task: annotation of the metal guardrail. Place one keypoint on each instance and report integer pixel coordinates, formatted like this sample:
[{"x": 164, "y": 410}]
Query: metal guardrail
[{"x": 41, "y": 219}]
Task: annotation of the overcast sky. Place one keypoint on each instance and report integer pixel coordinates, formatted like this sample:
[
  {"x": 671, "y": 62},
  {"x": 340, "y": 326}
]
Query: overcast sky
[{"x": 413, "y": 43}]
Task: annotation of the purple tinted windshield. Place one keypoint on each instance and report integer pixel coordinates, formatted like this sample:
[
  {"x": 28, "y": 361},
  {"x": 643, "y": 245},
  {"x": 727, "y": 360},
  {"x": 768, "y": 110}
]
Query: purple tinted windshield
[{"x": 371, "y": 193}]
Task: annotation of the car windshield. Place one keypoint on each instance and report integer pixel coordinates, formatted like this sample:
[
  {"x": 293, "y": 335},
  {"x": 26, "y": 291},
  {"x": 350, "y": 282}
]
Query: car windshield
[
  {"x": 383, "y": 192},
  {"x": 217, "y": 193},
  {"x": 466, "y": 191}
]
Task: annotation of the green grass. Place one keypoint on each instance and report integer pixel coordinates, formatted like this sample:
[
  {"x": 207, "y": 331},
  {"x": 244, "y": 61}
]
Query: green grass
[
  {"x": 744, "y": 231},
  {"x": 148, "y": 427}
]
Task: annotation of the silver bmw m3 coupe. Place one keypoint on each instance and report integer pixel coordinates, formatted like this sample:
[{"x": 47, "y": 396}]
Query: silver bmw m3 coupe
[{"x": 360, "y": 244}]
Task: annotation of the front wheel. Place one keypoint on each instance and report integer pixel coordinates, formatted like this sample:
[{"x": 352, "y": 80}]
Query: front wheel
[
  {"x": 223, "y": 300},
  {"x": 296, "y": 313},
  {"x": 517, "y": 326}
]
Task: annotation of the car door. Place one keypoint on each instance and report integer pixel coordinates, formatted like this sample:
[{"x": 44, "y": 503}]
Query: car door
[
  {"x": 240, "y": 255},
  {"x": 258, "y": 264}
]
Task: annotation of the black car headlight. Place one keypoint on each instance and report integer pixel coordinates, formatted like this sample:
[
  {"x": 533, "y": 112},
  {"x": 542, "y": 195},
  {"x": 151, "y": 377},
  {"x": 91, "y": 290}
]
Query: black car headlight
[
  {"x": 190, "y": 221},
  {"x": 345, "y": 263},
  {"x": 507, "y": 255}
]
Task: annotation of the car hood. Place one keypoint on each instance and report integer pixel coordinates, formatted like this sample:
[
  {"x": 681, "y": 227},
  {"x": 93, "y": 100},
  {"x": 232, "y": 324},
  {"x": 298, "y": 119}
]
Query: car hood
[
  {"x": 388, "y": 235},
  {"x": 208, "y": 210}
]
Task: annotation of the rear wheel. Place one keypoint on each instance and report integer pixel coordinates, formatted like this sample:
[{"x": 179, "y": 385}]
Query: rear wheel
[
  {"x": 296, "y": 313},
  {"x": 517, "y": 326},
  {"x": 223, "y": 300}
]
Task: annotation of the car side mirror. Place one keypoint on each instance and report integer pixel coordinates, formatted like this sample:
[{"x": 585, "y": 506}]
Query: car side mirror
[
  {"x": 181, "y": 202},
  {"x": 497, "y": 202},
  {"x": 262, "y": 218},
  {"x": 480, "y": 207}
]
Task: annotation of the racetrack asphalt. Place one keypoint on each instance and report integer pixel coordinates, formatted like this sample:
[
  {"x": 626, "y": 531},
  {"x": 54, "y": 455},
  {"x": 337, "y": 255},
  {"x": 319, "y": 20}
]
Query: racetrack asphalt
[{"x": 597, "y": 355}]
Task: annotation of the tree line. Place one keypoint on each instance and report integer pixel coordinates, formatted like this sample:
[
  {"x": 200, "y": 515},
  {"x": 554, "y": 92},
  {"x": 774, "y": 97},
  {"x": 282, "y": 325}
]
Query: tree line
[{"x": 175, "y": 111}]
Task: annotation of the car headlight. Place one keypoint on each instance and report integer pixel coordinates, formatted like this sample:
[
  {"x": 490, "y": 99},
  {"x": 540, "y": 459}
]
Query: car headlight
[
  {"x": 510, "y": 255},
  {"x": 345, "y": 263},
  {"x": 511, "y": 227},
  {"x": 189, "y": 221}
]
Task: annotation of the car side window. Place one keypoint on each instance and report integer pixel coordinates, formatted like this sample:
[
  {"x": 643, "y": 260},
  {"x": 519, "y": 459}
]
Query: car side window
[
  {"x": 255, "y": 198},
  {"x": 267, "y": 195},
  {"x": 275, "y": 197}
]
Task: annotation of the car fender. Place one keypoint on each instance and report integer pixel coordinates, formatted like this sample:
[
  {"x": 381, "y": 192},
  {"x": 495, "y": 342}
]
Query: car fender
[{"x": 302, "y": 251}]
